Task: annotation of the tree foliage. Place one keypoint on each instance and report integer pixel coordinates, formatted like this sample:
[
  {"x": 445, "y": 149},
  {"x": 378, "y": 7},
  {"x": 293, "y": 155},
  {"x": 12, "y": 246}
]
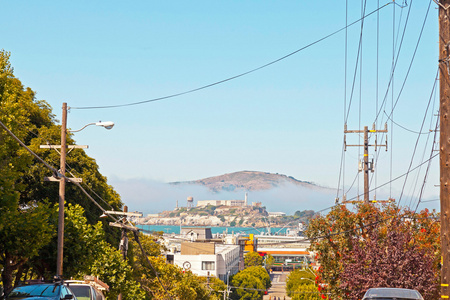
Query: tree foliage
[
  {"x": 23, "y": 232},
  {"x": 250, "y": 283},
  {"x": 298, "y": 278},
  {"x": 253, "y": 259},
  {"x": 28, "y": 222},
  {"x": 337, "y": 235},
  {"x": 392, "y": 260}
]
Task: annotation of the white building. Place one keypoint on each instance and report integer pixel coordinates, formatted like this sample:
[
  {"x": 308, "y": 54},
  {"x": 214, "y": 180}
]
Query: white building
[
  {"x": 210, "y": 259},
  {"x": 276, "y": 214},
  {"x": 221, "y": 202}
]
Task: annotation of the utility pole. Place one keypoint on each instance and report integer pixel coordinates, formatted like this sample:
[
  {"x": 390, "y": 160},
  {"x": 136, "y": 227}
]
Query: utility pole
[
  {"x": 444, "y": 58},
  {"x": 62, "y": 187},
  {"x": 123, "y": 246},
  {"x": 62, "y": 190},
  {"x": 60, "y": 177},
  {"x": 368, "y": 166}
]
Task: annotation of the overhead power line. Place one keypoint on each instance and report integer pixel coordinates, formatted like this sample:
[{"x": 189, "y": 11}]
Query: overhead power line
[{"x": 236, "y": 76}]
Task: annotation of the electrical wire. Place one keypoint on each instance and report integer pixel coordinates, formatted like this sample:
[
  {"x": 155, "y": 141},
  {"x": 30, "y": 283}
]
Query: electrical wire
[
  {"x": 54, "y": 170},
  {"x": 84, "y": 191},
  {"x": 428, "y": 167},
  {"x": 236, "y": 76},
  {"x": 403, "y": 127},
  {"x": 398, "y": 177},
  {"x": 136, "y": 237},
  {"x": 69, "y": 168}
]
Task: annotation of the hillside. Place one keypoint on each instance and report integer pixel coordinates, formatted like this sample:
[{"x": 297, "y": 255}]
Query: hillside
[{"x": 248, "y": 181}]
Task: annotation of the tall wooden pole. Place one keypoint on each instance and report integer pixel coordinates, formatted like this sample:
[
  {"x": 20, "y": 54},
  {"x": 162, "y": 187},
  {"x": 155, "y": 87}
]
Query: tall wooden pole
[
  {"x": 366, "y": 165},
  {"x": 366, "y": 145},
  {"x": 124, "y": 242},
  {"x": 62, "y": 188},
  {"x": 444, "y": 55}
]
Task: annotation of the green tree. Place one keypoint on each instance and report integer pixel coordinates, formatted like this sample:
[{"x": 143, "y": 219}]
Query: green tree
[
  {"x": 299, "y": 278},
  {"x": 261, "y": 274},
  {"x": 252, "y": 259},
  {"x": 307, "y": 291},
  {"x": 216, "y": 286},
  {"x": 22, "y": 192},
  {"x": 23, "y": 232},
  {"x": 250, "y": 283},
  {"x": 269, "y": 261},
  {"x": 247, "y": 286}
]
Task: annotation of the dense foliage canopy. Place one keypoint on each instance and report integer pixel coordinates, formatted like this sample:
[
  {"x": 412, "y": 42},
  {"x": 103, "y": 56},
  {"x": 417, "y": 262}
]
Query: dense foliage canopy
[
  {"x": 29, "y": 213},
  {"x": 376, "y": 246}
]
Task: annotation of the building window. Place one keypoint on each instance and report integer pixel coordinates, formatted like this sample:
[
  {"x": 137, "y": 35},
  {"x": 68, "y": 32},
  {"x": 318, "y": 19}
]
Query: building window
[{"x": 208, "y": 265}]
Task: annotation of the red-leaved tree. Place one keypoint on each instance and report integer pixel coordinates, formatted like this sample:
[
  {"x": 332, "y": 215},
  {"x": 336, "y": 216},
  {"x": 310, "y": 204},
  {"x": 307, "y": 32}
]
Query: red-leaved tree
[{"x": 388, "y": 260}]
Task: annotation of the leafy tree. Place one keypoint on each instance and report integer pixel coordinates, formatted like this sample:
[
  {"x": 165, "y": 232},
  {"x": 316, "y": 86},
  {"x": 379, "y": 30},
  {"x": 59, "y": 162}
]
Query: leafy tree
[
  {"x": 388, "y": 261},
  {"x": 216, "y": 286},
  {"x": 247, "y": 286},
  {"x": 298, "y": 278},
  {"x": 333, "y": 237},
  {"x": 269, "y": 261},
  {"x": 23, "y": 232},
  {"x": 307, "y": 291},
  {"x": 250, "y": 283},
  {"x": 23, "y": 195},
  {"x": 252, "y": 259},
  {"x": 110, "y": 267},
  {"x": 261, "y": 274}
]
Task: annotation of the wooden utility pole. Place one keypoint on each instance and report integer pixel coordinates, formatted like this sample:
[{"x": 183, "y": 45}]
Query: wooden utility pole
[
  {"x": 444, "y": 57},
  {"x": 367, "y": 165},
  {"x": 123, "y": 247},
  {"x": 62, "y": 188}
]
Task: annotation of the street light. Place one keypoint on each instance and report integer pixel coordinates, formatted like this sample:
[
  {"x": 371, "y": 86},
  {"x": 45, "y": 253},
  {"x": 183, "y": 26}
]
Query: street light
[
  {"x": 62, "y": 181},
  {"x": 308, "y": 279},
  {"x": 228, "y": 280},
  {"x": 108, "y": 125}
]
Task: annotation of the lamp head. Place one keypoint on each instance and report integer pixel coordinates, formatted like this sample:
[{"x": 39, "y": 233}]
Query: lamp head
[{"x": 107, "y": 124}]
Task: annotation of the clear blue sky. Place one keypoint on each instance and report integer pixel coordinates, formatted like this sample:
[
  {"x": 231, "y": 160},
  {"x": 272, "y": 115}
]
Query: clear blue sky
[{"x": 287, "y": 118}]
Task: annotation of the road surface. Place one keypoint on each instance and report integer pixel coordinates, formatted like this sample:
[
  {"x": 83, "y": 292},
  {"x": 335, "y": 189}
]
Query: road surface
[{"x": 278, "y": 289}]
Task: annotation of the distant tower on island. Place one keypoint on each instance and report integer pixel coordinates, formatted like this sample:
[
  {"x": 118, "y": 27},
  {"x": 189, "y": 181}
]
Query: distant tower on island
[
  {"x": 245, "y": 201},
  {"x": 177, "y": 205},
  {"x": 190, "y": 202}
]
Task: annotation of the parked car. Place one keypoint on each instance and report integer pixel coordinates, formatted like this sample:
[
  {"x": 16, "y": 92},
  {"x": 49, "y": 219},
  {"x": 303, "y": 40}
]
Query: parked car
[
  {"x": 42, "y": 291},
  {"x": 91, "y": 288},
  {"x": 392, "y": 294},
  {"x": 85, "y": 291}
]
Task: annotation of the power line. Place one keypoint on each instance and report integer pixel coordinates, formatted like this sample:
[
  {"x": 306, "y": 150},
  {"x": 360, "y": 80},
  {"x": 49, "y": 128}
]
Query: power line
[
  {"x": 63, "y": 177},
  {"x": 236, "y": 76},
  {"x": 67, "y": 164}
]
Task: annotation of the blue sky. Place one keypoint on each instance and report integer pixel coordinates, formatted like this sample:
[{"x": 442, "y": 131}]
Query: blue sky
[{"x": 287, "y": 118}]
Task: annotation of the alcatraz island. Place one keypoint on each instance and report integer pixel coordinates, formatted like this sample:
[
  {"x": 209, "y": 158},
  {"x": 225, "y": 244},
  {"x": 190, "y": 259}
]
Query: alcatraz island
[{"x": 225, "y": 213}]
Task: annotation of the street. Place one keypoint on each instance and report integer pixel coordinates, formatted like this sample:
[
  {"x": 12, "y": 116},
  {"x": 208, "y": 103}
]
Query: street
[{"x": 278, "y": 289}]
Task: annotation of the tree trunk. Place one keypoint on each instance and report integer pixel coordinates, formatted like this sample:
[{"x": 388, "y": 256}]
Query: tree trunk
[{"x": 7, "y": 274}]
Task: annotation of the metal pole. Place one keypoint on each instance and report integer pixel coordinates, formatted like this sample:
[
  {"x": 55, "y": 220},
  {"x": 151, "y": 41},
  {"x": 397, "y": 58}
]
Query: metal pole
[
  {"x": 444, "y": 55},
  {"x": 228, "y": 281},
  {"x": 366, "y": 164},
  {"x": 62, "y": 188}
]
